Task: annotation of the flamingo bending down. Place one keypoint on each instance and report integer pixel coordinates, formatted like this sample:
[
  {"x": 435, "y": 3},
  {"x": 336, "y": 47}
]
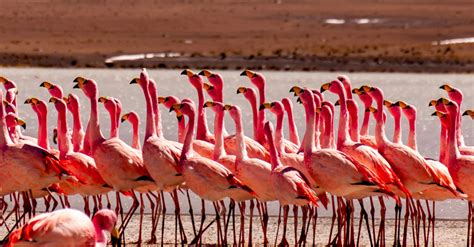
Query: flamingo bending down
[
  {"x": 457, "y": 96},
  {"x": 66, "y": 227}
]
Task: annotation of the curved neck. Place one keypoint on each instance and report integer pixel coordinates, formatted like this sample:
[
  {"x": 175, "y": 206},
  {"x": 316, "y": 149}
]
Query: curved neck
[
  {"x": 365, "y": 123},
  {"x": 397, "y": 133},
  {"x": 309, "y": 133},
  {"x": 156, "y": 109},
  {"x": 219, "y": 150},
  {"x": 453, "y": 151},
  {"x": 343, "y": 131},
  {"x": 100, "y": 236},
  {"x": 459, "y": 136},
  {"x": 113, "y": 124},
  {"x": 443, "y": 144},
  {"x": 202, "y": 128},
  {"x": 77, "y": 122},
  {"x": 261, "y": 115},
  {"x": 292, "y": 127},
  {"x": 253, "y": 105},
  {"x": 380, "y": 137},
  {"x": 188, "y": 141},
  {"x": 274, "y": 156},
  {"x": 412, "y": 134},
  {"x": 181, "y": 130},
  {"x": 354, "y": 126}
]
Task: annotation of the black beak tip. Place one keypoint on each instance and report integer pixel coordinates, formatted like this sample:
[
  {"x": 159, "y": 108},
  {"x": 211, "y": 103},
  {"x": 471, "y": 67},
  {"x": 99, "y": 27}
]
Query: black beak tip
[
  {"x": 261, "y": 107},
  {"x": 184, "y": 72},
  {"x": 201, "y": 73},
  {"x": 76, "y": 86},
  {"x": 244, "y": 73},
  {"x": 179, "y": 118}
]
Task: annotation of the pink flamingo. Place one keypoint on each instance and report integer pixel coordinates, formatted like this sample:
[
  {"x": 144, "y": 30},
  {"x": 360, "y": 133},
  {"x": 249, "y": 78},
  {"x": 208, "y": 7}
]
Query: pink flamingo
[
  {"x": 277, "y": 108},
  {"x": 120, "y": 165},
  {"x": 78, "y": 134},
  {"x": 457, "y": 96},
  {"x": 293, "y": 188},
  {"x": 293, "y": 131},
  {"x": 365, "y": 138},
  {"x": 206, "y": 178},
  {"x": 111, "y": 107},
  {"x": 81, "y": 165},
  {"x": 41, "y": 110},
  {"x": 254, "y": 148},
  {"x": 202, "y": 132},
  {"x": 66, "y": 227},
  {"x": 259, "y": 81},
  {"x": 53, "y": 89},
  {"x": 203, "y": 148},
  {"x": 251, "y": 95},
  {"x": 134, "y": 120}
]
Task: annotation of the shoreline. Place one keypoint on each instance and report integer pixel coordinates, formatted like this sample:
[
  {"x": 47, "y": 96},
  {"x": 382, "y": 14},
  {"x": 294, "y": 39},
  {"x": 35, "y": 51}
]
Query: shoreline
[{"x": 274, "y": 63}]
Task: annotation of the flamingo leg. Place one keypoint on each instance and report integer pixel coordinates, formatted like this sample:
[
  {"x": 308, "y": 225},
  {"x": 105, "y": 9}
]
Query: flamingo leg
[
  {"x": 286, "y": 209},
  {"x": 140, "y": 225},
  {"x": 198, "y": 239},
  {"x": 315, "y": 223},
  {"x": 295, "y": 216},
  {"x": 223, "y": 212},
  {"x": 278, "y": 225},
  {"x": 163, "y": 212},
  {"x": 191, "y": 212},
  {"x": 364, "y": 216},
  {"x": 333, "y": 219},
  {"x": 242, "y": 207},
  {"x": 218, "y": 223},
  {"x": 252, "y": 205},
  {"x": 153, "y": 219},
  {"x": 86, "y": 206},
  {"x": 381, "y": 237},
  {"x": 130, "y": 213},
  {"x": 433, "y": 224},
  {"x": 302, "y": 239},
  {"x": 177, "y": 212}
]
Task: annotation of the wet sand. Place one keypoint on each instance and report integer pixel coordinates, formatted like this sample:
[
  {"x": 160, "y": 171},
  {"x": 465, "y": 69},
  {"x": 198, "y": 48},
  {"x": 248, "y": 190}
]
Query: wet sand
[{"x": 367, "y": 35}]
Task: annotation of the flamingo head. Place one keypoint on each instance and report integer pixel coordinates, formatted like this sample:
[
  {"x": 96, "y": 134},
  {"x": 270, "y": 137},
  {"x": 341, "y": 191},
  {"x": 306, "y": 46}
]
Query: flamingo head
[
  {"x": 105, "y": 220},
  {"x": 347, "y": 84},
  {"x": 211, "y": 91},
  {"x": 287, "y": 104},
  {"x": 168, "y": 101},
  {"x": 12, "y": 121},
  {"x": 374, "y": 92},
  {"x": 334, "y": 87},
  {"x": 469, "y": 113},
  {"x": 275, "y": 107},
  {"x": 393, "y": 108},
  {"x": 109, "y": 103},
  {"x": 9, "y": 107},
  {"x": 249, "y": 93},
  {"x": 296, "y": 90},
  {"x": 214, "y": 78},
  {"x": 408, "y": 110},
  {"x": 72, "y": 102},
  {"x": 132, "y": 117},
  {"x": 443, "y": 118},
  {"x": 193, "y": 78},
  {"x": 256, "y": 78},
  {"x": 8, "y": 84},
  {"x": 88, "y": 86},
  {"x": 54, "y": 90},
  {"x": 215, "y": 106},
  {"x": 11, "y": 94},
  {"x": 58, "y": 103},
  {"x": 352, "y": 107},
  {"x": 185, "y": 107},
  {"x": 363, "y": 96},
  {"x": 453, "y": 93},
  {"x": 451, "y": 106}
]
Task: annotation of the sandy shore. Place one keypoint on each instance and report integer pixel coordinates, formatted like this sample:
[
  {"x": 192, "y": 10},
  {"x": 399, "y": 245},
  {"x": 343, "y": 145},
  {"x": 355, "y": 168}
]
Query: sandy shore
[
  {"x": 367, "y": 35},
  {"x": 447, "y": 232}
]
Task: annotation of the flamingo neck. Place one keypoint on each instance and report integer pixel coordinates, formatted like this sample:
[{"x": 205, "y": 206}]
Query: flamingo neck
[
  {"x": 354, "y": 126},
  {"x": 279, "y": 133},
  {"x": 365, "y": 123},
  {"x": 100, "y": 236},
  {"x": 202, "y": 129},
  {"x": 412, "y": 134},
  {"x": 43, "y": 131},
  {"x": 156, "y": 109},
  {"x": 4, "y": 136},
  {"x": 397, "y": 133},
  {"x": 239, "y": 136},
  {"x": 274, "y": 156},
  {"x": 253, "y": 105},
  {"x": 443, "y": 144},
  {"x": 380, "y": 137},
  {"x": 459, "y": 136},
  {"x": 292, "y": 127},
  {"x": 343, "y": 131},
  {"x": 113, "y": 124},
  {"x": 310, "y": 127},
  {"x": 77, "y": 122},
  {"x": 219, "y": 150},
  {"x": 181, "y": 130},
  {"x": 261, "y": 115},
  {"x": 136, "y": 136},
  {"x": 453, "y": 150},
  {"x": 188, "y": 141},
  {"x": 64, "y": 143},
  {"x": 149, "y": 122},
  {"x": 95, "y": 135}
]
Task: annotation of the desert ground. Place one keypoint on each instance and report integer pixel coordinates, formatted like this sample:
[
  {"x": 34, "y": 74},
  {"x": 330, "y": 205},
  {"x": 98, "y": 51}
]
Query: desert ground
[{"x": 366, "y": 35}]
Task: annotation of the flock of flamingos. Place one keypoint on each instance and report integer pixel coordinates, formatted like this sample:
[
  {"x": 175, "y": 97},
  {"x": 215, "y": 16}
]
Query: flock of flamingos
[{"x": 325, "y": 168}]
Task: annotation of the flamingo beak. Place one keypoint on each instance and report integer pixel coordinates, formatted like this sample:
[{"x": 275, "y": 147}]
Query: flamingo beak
[
  {"x": 265, "y": 106},
  {"x": 45, "y": 84},
  {"x": 433, "y": 103},
  {"x": 207, "y": 86},
  {"x": 296, "y": 90},
  {"x": 446, "y": 88},
  {"x": 241, "y": 90},
  {"x": 135, "y": 81},
  {"x": 187, "y": 72},
  {"x": 27, "y": 101},
  {"x": 180, "y": 117},
  {"x": 299, "y": 100},
  {"x": 53, "y": 100},
  {"x": 325, "y": 87},
  {"x": 21, "y": 122},
  {"x": 124, "y": 118},
  {"x": 115, "y": 237},
  {"x": 227, "y": 107},
  {"x": 337, "y": 103}
]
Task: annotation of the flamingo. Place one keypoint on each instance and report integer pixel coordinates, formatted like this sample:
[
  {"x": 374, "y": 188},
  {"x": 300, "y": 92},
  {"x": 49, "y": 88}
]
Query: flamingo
[
  {"x": 277, "y": 108},
  {"x": 53, "y": 89},
  {"x": 203, "y": 148},
  {"x": 134, "y": 120},
  {"x": 457, "y": 96},
  {"x": 202, "y": 132},
  {"x": 251, "y": 95},
  {"x": 259, "y": 81},
  {"x": 66, "y": 227},
  {"x": 81, "y": 165},
  {"x": 78, "y": 134},
  {"x": 208, "y": 179},
  {"x": 293, "y": 188},
  {"x": 254, "y": 148},
  {"x": 120, "y": 165},
  {"x": 111, "y": 106},
  {"x": 41, "y": 109}
]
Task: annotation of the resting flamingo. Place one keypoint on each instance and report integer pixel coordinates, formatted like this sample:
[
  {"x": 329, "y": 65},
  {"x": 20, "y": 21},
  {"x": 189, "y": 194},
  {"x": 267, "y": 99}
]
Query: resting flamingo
[
  {"x": 120, "y": 165},
  {"x": 457, "y": 96},
  {"x": 66, "y": 227}
]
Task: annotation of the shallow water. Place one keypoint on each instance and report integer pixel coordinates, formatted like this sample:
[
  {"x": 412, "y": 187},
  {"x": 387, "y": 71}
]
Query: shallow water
[{"x": 416, "y": 89}]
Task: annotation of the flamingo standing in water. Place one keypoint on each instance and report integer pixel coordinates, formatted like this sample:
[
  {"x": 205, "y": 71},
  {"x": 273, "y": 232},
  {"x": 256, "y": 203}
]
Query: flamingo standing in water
[
  {"x": 66, "y": 227},
  {"x": 120, "y": 165},
  {"x": 206, "y": 178},
  {"x": 457, "y": 96}
]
